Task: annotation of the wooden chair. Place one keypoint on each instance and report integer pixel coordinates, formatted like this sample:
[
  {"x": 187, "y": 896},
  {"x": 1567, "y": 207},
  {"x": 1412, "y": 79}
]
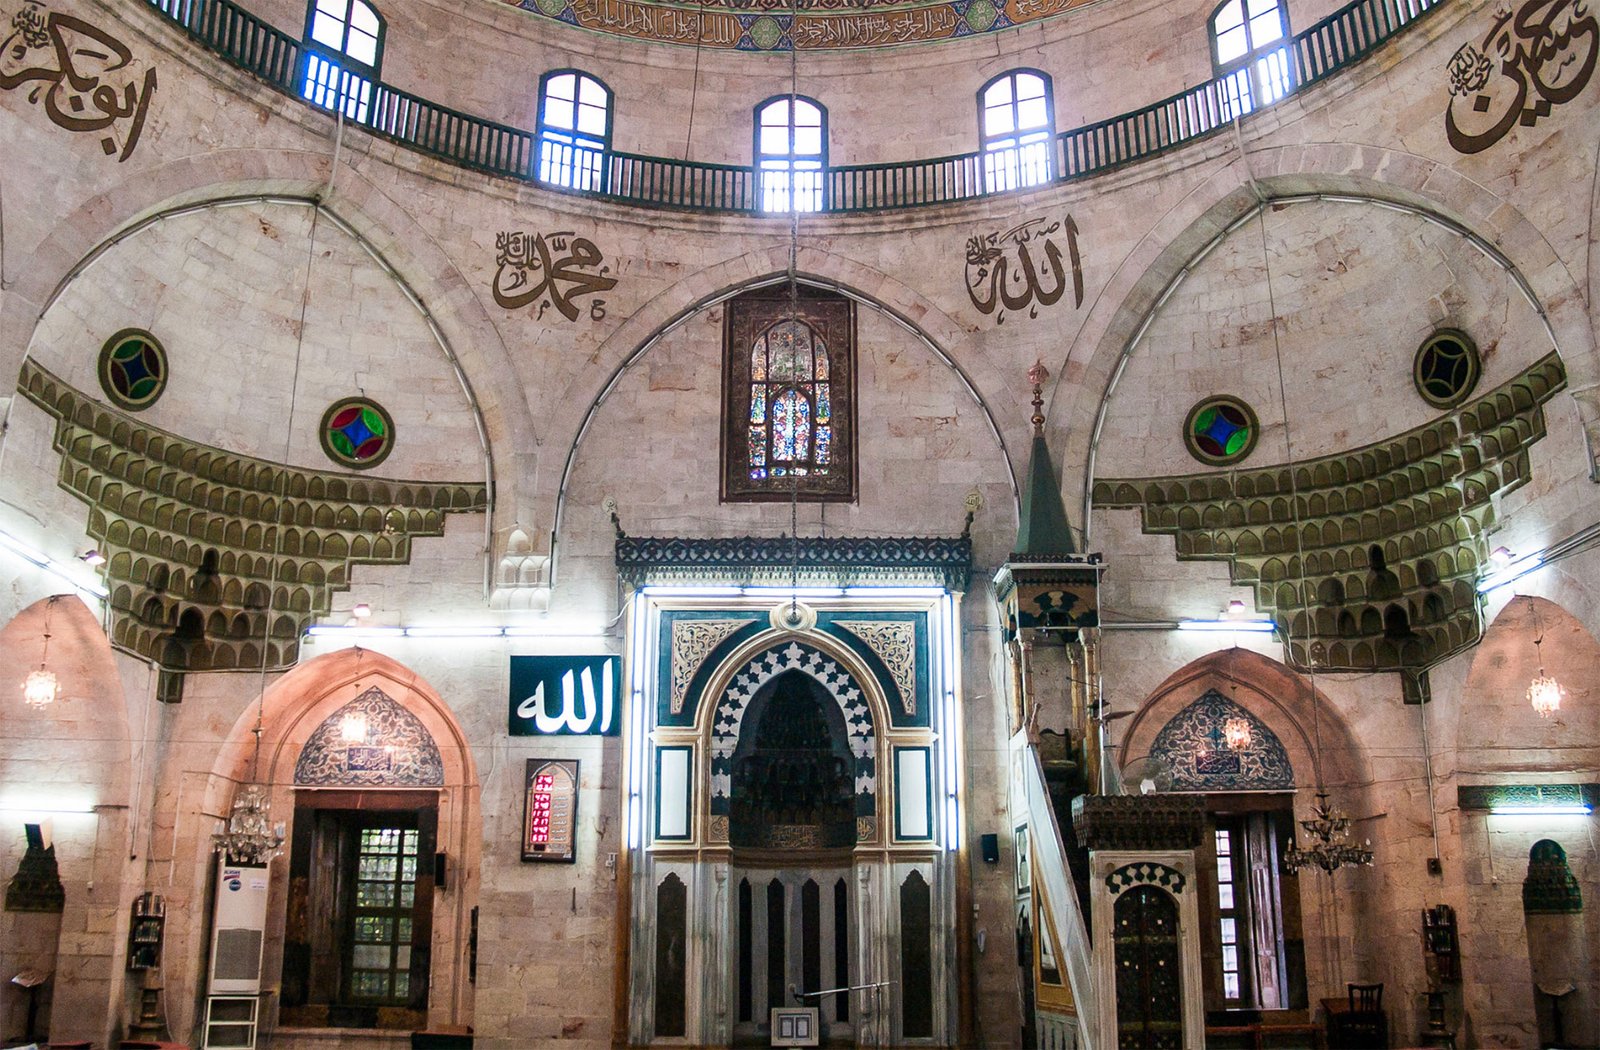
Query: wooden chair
[{"x": 1365, "y": 1024}]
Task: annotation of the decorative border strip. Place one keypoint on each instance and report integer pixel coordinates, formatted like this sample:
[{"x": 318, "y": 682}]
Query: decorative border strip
[{"x": 775, "y": 561}]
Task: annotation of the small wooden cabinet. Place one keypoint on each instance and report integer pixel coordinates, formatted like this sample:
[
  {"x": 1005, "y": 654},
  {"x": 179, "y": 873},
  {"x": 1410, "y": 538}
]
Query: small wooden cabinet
[{"x": 145, "y": 931}]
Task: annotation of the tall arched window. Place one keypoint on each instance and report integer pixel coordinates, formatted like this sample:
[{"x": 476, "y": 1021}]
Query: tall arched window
[
  {"x": 789, "y": 393},
  {"x": 791, "y": 153},
  {"x": 574, "y": 130},
  {"x": 1014, "y": 112},
  {"x": 344, "y": 50},
  {"x": 1250, "y": 52}
]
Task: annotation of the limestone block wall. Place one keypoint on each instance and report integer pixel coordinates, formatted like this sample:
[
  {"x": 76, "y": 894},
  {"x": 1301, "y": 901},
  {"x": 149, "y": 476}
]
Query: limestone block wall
[{"x": 228, "y": 290}]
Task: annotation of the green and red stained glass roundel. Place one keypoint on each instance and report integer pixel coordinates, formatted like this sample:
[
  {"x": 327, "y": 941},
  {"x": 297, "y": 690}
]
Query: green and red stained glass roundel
[
  {"x": 1221, "y": 430},
  {"x": 133, "y": 369},
  {"x": 357, "y": 432}
]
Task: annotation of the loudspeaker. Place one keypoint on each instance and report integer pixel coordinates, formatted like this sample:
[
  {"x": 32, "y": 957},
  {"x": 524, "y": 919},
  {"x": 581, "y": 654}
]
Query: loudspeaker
[
  {"x": 989, "y": 847},
  {"x": 439, "y": 871}
]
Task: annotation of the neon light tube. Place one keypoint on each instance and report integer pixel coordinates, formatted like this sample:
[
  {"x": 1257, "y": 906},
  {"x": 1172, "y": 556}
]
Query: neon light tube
[
  {"x": 1511, "y": 573},
  {"x": 1575, "y": 810},
  {"x": 1258, "y": 626}
]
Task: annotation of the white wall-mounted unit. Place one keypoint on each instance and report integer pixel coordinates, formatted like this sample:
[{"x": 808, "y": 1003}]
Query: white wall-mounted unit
[{"x": 238, "y": 928}]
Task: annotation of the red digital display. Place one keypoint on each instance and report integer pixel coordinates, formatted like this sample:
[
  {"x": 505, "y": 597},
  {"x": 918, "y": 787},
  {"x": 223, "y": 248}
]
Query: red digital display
[{"x": 539, "y": 809}]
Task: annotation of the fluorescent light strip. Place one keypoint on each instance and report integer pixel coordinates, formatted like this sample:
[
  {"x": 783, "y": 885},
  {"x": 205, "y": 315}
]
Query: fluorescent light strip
[
  {"x": 50, "y": 565},
  {"x": 1258, "y": 626},
  {"x": 446, "y": 631},
  {"x": 1577, "y": 810},
  {"x": 1511, "y": 573},
  {"x": 686, "y": 591}
]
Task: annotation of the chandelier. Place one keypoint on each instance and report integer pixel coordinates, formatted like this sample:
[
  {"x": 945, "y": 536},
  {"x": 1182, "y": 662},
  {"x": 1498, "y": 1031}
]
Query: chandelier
[
  {"x": 1328, "y": 832},
  {"x": 1236, "y": 734},
  {"x": 41, "y": 687},
  {"x": 251, "y": 838},
  {"x": 1544, "y": 692}
]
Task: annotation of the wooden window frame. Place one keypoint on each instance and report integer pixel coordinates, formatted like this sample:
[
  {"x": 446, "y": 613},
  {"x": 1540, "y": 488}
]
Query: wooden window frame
[{"x": 833, "y": 318}]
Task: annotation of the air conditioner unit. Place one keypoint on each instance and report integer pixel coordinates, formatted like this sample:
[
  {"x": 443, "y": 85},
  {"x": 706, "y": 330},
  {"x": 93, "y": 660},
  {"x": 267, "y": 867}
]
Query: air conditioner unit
[{"x": 238, "y": 927}]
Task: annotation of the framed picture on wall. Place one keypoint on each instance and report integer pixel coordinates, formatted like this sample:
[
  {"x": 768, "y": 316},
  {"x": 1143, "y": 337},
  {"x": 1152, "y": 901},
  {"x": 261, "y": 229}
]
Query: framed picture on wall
[{"x": 550, "y": 810}]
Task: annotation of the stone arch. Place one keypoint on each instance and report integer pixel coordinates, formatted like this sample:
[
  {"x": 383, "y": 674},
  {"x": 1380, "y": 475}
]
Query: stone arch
[
  {"x": 1495, "y": 715},
  {"x": 74, "y": 768},
  {"x": 410, "y": 254},
  {"x": 950, "y": 343},
  {"x": 1236, "y": 190},
  {"x": 291, "y": 711},
  {"x": 1272, "y": 694}
]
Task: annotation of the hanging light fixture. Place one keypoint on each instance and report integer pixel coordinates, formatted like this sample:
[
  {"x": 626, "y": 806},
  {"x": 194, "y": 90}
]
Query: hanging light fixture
[
  {"x": 41, "y": 687},
  {"x": 1544, "y": 692},
  {"x": 1237, "y": 735},
  {"x": 1329, "y": 831},
  {"x": 353, "y": 728},
  {"x": 251, "y": 837}
]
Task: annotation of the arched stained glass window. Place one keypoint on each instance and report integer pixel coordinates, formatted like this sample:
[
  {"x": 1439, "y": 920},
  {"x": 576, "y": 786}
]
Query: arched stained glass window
[
  {"x": 1014, "y": 110},
  {"x": 788, "y": 398},
  {"x": 574, "y": 130},
  {"x": 1249, "y": 50},
  {"x": 343, "y": 52},
  {"x": 791, "y": 418}
]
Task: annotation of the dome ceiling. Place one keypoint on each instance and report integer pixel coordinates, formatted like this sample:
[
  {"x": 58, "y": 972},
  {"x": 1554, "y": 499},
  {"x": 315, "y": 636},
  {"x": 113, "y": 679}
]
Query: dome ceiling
[{"x": 809, "y": 25}]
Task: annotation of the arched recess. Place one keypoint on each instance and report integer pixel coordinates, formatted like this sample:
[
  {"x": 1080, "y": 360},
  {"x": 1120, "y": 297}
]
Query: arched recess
[
  {"x": 1302, "y": 918},
  {"x": 1270, "y": 691},
  {"x": 453, "y": 306},
  {"x": 982, "y": 378},
  {"x": 292, "y": 711},
  {"x": 1235, "y": 191},
  {"x": 73, "y": 769},
  {"x": 861, "y": 702},
  {"x": 1497, "y": 726}
]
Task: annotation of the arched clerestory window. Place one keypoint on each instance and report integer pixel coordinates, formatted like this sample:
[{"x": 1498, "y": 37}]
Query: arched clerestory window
[
  {"x": 791, "y": 152},
  {"x": 789, "y": 393},
  {"x": 343, "y": 54},
  {"x": 1015, "y": 114},
  {"x": 574, "y": 130},
  {"x": 1250, "y": 52}
]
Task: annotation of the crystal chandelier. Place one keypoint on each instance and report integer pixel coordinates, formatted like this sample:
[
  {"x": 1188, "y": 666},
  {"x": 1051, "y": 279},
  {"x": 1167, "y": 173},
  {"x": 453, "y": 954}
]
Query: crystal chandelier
[
  {"x": 1544, "y": 692},
  {"x": 41, "y": 687},
  {"x": 1328, "y": 832},
  {"x": 251, "y": 838},
  {"x": 1236, "y": 734}
]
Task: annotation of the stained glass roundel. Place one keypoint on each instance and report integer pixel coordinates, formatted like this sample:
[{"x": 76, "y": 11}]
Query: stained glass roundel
[
  {"x": 1446, "y": 368},
  {"x": 133, "y": 369},
  {"x": 357, "y": 432},
  {"x": 1221, "y": 429}
]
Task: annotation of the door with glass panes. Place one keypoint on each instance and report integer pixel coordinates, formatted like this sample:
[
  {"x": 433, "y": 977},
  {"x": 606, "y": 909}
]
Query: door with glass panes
[{"x": 360, "y": 910}]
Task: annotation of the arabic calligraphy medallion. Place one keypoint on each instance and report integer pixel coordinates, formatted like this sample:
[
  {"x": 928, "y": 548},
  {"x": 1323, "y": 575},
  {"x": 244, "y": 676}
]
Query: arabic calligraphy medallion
[
  {"x": 550, "y": 270},
  {"x": 1024, "y": 268}
]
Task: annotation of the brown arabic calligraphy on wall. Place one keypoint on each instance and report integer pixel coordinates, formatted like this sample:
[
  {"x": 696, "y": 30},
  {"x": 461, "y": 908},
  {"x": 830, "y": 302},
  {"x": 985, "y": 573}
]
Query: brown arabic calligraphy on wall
[
  {"x": 1533, "y": 59},
  {"x": 540, "y": 271},
  {"x": 85, "y": 79},
  {"x": 1024, "y": 268}
]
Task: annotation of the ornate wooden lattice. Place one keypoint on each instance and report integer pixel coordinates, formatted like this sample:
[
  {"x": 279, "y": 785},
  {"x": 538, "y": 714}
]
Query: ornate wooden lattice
[{"x": 1366, "y": 560}]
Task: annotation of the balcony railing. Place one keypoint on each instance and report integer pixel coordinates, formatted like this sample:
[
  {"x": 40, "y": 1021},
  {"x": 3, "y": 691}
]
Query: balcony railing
[{"x": 1337, "y": 41}]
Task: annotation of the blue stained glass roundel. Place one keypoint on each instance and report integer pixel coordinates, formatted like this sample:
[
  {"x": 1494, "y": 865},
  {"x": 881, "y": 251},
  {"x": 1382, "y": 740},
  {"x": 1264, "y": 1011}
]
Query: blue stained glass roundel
[{"x": 1221, "y": 430}]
